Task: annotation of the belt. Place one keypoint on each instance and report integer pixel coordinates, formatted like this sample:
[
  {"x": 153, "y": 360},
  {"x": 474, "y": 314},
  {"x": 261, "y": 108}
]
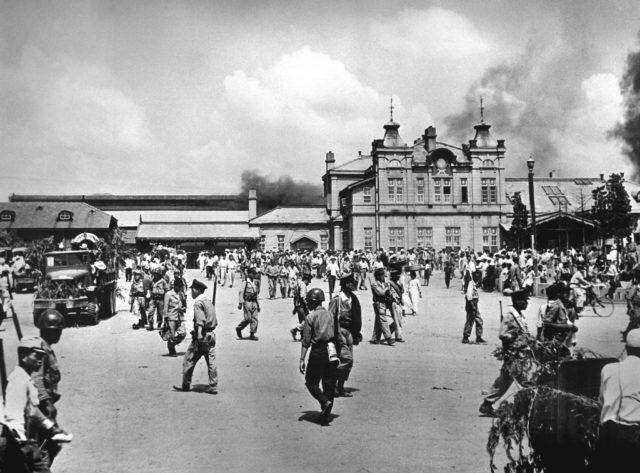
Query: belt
[
  {"x": 138, "y": 294},
  {"x": 157, "y": 298},
  {"x": 251, "y": 300}
]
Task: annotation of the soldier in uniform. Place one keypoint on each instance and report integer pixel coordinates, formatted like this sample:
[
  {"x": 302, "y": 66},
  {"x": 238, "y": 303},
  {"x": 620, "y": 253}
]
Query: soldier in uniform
[
  {"x": 174, "y": 306},
  {"x": 159, "y": 288},
  {"x": 138, "y": 300},
  {"x": 272, "y": 272},
  {"x": 512, "y": 326},
  {"x": 345, "y": 307},
  {"x": 380, "y": 292},
  {"x": 248, "y": 302},
  {"x": 319, "y": 334},
  {"x": 300, "y": 303},
  {"x": 46, "y": 379},
  {"x": 204, "y": 340}
]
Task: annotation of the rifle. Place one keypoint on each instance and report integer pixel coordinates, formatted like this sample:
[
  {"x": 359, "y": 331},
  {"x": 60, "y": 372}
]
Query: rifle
[{"x": 215, "y": 290}]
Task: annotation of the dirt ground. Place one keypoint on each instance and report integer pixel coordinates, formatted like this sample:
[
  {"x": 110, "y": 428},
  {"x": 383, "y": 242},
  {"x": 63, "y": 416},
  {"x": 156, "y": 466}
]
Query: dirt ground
[{"x": 414, "y": 406}]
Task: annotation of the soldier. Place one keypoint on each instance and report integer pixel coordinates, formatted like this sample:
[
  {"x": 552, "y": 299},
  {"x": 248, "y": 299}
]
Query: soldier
[
  {"x": 159, "y": 288},
  {"x": 23, "y": 417},
  {"x": 248, "y": 302},
  {"x": 319, "y": 333},
  {"x": 203, "y": 342},
  {"x": 299, "y": 303},
  {"x": 46, "y": 379},
  {"x": 512, "y": 326},
  {"x": 380, "y": 292},
  {"x": 175, "y": 303},
  {"x": 137, "y": 300},
  {"x": 272, "y": 272},
  {"x": 345, "y": 307}
]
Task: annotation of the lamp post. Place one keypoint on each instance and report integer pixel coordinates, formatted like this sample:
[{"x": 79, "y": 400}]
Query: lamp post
[{"x": 532, "y": 205}]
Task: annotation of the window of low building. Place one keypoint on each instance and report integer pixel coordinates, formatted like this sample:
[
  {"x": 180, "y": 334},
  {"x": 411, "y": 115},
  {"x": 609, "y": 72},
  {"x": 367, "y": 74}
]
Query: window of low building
[
  {"x": 395, "y": 190},
  {"x": 489, "y": 190},
  {"x": 368, "y": 239},
  {"x": 263, "y": 241},
  {"x": 396, "y": 238},
  {"x": 324, "y": 242},
  {"x": 367, "y": 195},
  {"x": 437, "y": 190},
  {"x": 420, "y": 190},
  {"x": 65, "y": 215},
  {"x": 464, "y": 191},
  {"x": 280, "y": 242},
  {"x": 424, "y": 237},
  {"x": 490, "y": 238},
  {"x": 452, "y": 236},
  {"x": 7, "y": 216},
  {"x": 446, "y": 190}
]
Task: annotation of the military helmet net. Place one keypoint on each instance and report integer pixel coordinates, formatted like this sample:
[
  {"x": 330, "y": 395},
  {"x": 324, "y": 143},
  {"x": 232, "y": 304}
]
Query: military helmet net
[{"x": 51, "y": 319}]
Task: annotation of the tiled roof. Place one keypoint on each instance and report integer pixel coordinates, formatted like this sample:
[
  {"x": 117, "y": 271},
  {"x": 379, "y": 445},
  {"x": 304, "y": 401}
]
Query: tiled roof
[
  {"x": 197, "y": 231},
  {"x": 361, "y": 163},
  {"x": 576, "y": 191},
  {"x": 131, "y": 218},
  {"x": 292, "y": 215},
  {"x": 44, "y": 215}
]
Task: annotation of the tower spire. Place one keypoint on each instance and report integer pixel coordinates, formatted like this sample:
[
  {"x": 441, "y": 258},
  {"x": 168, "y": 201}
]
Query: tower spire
[
  {"x": 391, "y": 108},
  {"x": 481, "y": 110}
]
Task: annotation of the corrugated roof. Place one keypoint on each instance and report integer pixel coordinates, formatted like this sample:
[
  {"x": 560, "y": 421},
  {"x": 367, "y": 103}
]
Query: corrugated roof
[
  {"x": 577, "y": 191},
  {"x": 292, "y": 215},
  {"x": 197, "y": 231},
  {"x": 44, "y": 215},
  {"x": 131, "y": 218}
]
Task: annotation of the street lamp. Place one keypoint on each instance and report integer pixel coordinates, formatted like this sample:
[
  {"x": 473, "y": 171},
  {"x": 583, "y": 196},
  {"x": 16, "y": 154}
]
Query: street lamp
[{"x": 532, "y": 203}]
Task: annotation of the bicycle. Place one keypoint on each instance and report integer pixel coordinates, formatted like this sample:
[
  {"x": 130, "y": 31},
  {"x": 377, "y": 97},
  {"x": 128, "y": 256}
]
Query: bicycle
[{"x": 602, "y": 306}]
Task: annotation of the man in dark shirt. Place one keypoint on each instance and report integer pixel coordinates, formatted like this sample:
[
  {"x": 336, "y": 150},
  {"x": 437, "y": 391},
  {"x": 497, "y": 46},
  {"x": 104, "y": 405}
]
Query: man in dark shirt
[{"x": 318, "y": 332}]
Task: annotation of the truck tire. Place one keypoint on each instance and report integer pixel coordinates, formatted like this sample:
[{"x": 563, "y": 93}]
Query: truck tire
[{"x": 93, "y": 311}]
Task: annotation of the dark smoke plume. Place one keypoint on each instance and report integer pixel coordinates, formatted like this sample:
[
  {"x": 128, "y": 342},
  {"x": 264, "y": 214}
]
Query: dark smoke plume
[
  {"x": 281, "y": 191},
  {"x": 527, "y": 101},
  {"x": 629, "y": 130}
]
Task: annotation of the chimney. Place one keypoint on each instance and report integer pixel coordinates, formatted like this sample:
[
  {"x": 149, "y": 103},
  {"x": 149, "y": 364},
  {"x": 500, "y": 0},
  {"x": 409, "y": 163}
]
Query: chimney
[
  {"x": 602, "y": 177},
  {"x": 551, "y": 174},
  {"x": 253, "y": 204},
  {"x": 330, "y": 161},
  {"x": 430, "y": 139}
]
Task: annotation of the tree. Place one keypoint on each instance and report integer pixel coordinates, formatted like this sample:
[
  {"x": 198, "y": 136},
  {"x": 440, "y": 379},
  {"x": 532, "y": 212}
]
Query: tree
[
  {"x": 612, "y": 209},
  {"x": 520, "y": 218}
]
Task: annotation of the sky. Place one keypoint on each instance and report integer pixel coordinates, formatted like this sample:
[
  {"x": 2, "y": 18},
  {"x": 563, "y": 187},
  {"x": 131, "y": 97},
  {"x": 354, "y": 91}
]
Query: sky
[{"x": 181, "y": 97}]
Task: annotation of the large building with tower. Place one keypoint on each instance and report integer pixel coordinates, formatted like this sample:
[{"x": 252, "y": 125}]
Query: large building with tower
[{"x": 425, "y": 194}]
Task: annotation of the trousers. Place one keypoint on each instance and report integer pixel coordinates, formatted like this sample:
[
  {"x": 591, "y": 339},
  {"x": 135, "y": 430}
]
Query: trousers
[
  {"x": 396, "y": 312},
  {"x": 345, "y": 353},
  {"x": 319, "y": 369},
  {"x": 473, "y": 316},
  {"x": 154, "y": 312},
  {"x": 192, "y": 355},
  {"x": 250, "y": 317},
  {"x": 381, "y": 322}
]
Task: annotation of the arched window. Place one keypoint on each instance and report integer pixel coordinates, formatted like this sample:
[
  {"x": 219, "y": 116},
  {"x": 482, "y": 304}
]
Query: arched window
[
  {"x": 7, "y": 216},
  {"x": 65, "y": 216},
  {"x": 394, "y": 163},
  {"x": 487, "y": 163}
]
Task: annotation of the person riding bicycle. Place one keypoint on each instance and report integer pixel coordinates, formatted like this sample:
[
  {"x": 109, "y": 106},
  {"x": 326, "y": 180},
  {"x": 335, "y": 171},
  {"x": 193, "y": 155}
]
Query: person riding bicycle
[{"x": 579, "y": 284}]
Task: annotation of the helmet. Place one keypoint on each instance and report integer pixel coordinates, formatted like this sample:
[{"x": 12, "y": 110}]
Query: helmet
[
  {"x": 51, "y": 319},
  {"x": 316, "y": 295}
]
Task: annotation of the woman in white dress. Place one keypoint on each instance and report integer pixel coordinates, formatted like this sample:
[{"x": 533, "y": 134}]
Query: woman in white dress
[{"x": 415, "y": 292}]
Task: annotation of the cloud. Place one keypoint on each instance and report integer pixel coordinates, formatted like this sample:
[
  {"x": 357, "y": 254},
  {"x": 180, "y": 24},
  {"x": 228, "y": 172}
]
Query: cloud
[
  {"x": 283, "y": 118},
  {"x": 435, "y": 33}
]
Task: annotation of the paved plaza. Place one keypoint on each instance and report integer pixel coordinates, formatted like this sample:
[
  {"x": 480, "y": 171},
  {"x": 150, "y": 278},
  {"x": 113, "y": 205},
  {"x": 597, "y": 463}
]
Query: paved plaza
[{"x": 414, "y": 405}]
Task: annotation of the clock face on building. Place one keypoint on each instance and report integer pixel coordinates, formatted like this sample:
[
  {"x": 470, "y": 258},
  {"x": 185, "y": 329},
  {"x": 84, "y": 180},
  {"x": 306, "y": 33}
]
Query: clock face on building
[{"x": 441, "y": 163}]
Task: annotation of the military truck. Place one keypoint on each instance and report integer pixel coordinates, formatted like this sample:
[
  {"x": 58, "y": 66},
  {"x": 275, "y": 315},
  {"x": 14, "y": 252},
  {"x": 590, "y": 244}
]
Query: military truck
[
  {"x": 76, "y": 285},
  {"x": 24, "y": 276}
]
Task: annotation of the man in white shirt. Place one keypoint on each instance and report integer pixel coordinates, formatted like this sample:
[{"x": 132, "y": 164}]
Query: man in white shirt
[
  {"x": 619, "y": 438},
  {"x": 333, "y": 271}
]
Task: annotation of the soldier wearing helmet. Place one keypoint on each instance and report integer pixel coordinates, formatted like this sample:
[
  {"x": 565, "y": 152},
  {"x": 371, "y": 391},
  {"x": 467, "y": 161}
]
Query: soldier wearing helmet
[
  {"x": 319, "y": 334},
  {"x": 159, "y": 287},
  {"x": 46, "y": 379}
]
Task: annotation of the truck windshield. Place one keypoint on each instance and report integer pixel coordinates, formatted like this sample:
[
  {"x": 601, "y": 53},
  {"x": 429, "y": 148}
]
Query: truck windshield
[{"x": 70, "y": 259}]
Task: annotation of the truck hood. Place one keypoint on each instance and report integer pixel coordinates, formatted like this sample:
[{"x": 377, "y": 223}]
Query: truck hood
[{"x": 67, "y": 274}]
